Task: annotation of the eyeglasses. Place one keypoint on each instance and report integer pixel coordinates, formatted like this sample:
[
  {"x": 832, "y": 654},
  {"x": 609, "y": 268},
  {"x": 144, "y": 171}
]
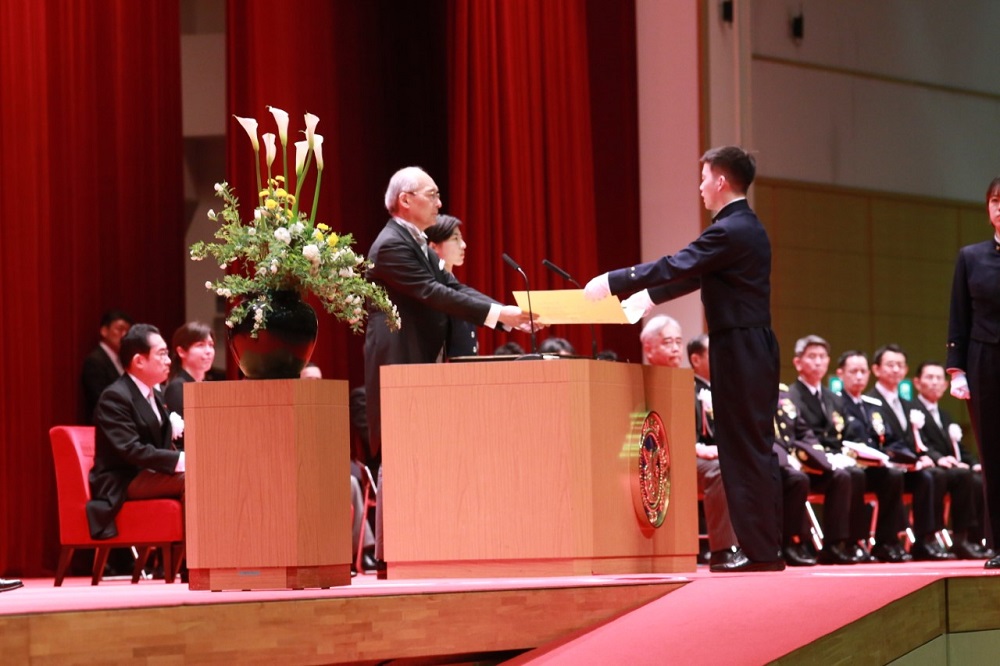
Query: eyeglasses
[{"x": 432, "y": 195}]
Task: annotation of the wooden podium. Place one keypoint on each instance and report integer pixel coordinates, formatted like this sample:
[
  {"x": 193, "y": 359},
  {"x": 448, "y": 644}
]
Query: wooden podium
[
  {"x": 525, "y": 468},
  {"x": 268, "y": 494}
]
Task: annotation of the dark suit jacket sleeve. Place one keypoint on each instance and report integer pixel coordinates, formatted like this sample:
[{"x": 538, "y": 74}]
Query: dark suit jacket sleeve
[
  {"x": 960, "y": 319},
  {"x": 116, "y": 418},
  {"x": 398, "y": 266},
  {"x": 679, "y": 274}
]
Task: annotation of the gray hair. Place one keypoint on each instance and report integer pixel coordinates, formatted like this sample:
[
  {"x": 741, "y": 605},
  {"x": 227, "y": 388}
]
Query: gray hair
[
  {"x": 655, "y": 325},
  {"x": 810, "y": 341},
  {"x": 404, "y": 180}
]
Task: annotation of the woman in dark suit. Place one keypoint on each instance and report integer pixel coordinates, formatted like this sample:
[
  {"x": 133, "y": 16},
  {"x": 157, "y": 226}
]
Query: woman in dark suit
[
  {"x": 445, "y": 238},
  {"x": 974, "y": 352},
  {"x": 192, "y": 352}
]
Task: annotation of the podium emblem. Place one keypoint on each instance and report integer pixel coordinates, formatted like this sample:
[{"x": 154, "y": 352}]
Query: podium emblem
[{"x": 650, "y": 475}]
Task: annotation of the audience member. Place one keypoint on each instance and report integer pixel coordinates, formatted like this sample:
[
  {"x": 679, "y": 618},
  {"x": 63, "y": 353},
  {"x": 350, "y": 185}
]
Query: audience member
[
  {"x": 445, "y": 238},
  {"x": 905, "y": 447},
  {"x": 192, "y": 352},
  {"x": 556, "y": 346},
  {"x": 845, "y": 522},
  {"x": 864, "y": 424},
  {"x": 509, "y": 349},
  {"x": 133, "y": 454},
  {"x": 101, "y": 366},
  {"x": 961, "y": 476},
  {"x": 360, "y": 528},
  {"x": 662, "y": 343}
]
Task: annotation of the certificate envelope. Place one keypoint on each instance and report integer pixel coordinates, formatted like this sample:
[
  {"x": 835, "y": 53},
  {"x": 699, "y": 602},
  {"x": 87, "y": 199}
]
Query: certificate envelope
[{"x": 568, "y": 306}]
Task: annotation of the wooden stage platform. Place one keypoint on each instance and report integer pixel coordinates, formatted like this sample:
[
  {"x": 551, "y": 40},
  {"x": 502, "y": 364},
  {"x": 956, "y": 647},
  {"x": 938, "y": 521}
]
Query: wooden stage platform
[{"x": 865, "y": 614}]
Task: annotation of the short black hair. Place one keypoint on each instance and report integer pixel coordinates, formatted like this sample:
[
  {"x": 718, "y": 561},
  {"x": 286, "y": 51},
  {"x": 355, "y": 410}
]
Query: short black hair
[
  {"x": 849, "y": 354},
  {"x": 737, "y": 165},
  {"x": 880, "y": 352},
  {"x": 927, "y": 364},
  {"x": 994, "y": 188},
  {"x": 111, "y": 316},
  {"x": 697, "y": 345},
  {"x": 136, "y": 341},
  {"x": 509, "y": 349},
  {"x": 556, "y": 346},
  {"x": 442, "y": 230}
]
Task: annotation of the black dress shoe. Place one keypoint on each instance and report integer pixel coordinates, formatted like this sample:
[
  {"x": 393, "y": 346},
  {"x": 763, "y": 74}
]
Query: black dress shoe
[
  {"x": 8, "y": 584},
  {"x": 924, "y": 551},
  {"x": 992, "y": 563},
  {"x": 966, "y": 550},
  {"x": 381, "y": 570},
  {"x": 796, "y": 555},
  {"x": 368, "y": 563},
  {"x": 890, "y": 552},
  {"x": 725, "y": 560},
  {"x": 751, "y": 565},
  {"x": 838, "y": 553}
]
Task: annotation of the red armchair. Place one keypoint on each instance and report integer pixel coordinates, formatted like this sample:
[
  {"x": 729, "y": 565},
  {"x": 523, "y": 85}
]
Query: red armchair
[{"x": 143, "y": 524}]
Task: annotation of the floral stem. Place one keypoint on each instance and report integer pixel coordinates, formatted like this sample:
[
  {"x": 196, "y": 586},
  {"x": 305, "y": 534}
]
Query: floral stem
[
  {"x": 260, "y": 187},
  {"x": 319, "y": 181},
  {"x": 299, "y": 179},
  {"x": 284, "y": 159}
]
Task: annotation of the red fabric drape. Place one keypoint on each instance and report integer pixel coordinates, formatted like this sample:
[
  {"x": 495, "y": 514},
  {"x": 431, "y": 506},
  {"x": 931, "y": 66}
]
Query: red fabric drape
[{"x": 90, "y": 157}]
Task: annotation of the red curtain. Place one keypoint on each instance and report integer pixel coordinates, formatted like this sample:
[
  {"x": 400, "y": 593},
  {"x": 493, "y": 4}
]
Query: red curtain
[
  {"x": 522, "y": 166},
  {"x": 91, "y": 159}
]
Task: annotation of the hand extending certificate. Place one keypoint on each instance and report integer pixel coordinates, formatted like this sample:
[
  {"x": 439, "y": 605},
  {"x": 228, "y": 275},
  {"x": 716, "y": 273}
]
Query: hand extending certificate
[{"x": 568, "y": 306}]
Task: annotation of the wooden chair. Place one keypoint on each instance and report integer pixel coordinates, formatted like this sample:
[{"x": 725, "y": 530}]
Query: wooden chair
[{"x": 142, "y": 524}]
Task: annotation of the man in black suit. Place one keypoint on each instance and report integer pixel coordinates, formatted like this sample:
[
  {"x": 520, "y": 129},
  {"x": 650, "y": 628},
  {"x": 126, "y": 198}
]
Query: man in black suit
[
  {"x": 865, "y": 424},
  {"x": 133, "y": 454},
  {"x": 844, "y": 514},
  {"x": 101, "y": 366},
  {"x": 904, "y": 447},
  {"x": 424, "y": 294},
  {"x": 731, "y": 263},
  {"x": 962, "y": 476}
]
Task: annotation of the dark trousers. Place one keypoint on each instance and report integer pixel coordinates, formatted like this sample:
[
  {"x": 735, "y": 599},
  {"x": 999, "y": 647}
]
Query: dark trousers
[
  {"x": 836, "y": 487},
  {"x": 887, "y": 484},
  {"x": 794, "y": 491},
  {"x": 152, "y": 485},
  {"x": 984, "y": 396},
  {"x": 745, "y": 392},
  {"x": 958, "y": 484},
  {"x": 921, "y": 485}
]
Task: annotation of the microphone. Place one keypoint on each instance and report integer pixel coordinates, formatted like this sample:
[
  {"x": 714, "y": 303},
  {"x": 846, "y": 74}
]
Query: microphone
[
  {"x": 513, "y": 264},
  {"x": 558, "y": 271}
]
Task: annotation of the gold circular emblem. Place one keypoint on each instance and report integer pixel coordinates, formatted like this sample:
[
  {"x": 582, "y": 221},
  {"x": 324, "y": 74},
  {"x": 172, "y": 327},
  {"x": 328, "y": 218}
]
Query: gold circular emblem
[{"x": 650, "y": 476}]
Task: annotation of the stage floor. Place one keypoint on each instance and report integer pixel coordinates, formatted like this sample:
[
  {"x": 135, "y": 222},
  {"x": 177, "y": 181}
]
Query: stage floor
[{"x": 812, "y": 615}]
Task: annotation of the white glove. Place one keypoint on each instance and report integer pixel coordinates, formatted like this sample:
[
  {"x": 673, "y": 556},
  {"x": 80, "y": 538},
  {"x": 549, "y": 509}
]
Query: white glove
[
  {"x": 637, "y": 306},
  {"x": 597, "y": 289},
  {"x": 917, "y": 418},
  {"x": 176, "y": 425},
  {"x": 960, "y": 386},
  {"x": 955, "y": 432}
]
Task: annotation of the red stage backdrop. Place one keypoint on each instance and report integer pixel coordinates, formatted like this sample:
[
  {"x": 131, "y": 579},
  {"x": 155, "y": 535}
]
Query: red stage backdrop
[{"x": 90, "y": 158}]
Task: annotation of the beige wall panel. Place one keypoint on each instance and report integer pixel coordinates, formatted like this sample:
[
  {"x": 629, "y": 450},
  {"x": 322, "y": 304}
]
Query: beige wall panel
[
  {"x": 818, "y": 219},
  {"x": 916, "y": 230},
  {"x": 974, "y": 226},
  {"x": 903, "y": 286}
]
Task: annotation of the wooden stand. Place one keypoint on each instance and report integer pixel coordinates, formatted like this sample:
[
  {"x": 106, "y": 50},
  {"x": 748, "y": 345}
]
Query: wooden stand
[
  {"x": 524, "y": 469},
  {"x": 268, "y": 495}
]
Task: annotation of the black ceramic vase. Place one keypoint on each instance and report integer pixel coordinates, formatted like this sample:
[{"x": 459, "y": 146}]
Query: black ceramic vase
[{"x": 281, "y": 350}]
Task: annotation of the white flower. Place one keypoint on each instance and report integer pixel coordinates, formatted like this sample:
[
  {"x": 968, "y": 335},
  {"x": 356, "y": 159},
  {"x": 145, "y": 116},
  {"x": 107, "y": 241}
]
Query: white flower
[
  {"x": 301, "y": 150},
  {"x": 218, "y": 187},
  {"x": 311, "y": 122},
  {"x": 311, "y": 252},
  {"x": 176, "y": 425},
  {"x": 705, "y": 397},
  {"x": 250, "y": 125},
  {"x": 318, "y": 150},
  {"x": 282, "y": 234},
  {"x": 258, "y": 315},
  {"x": 222, "y": 266},
  {"x": 251, "y": 231},
  {"x": 274, "y": 268},
  {"x": 297, "y": 228},
  {"x": 256, "y": 216},
  {"x": 212, "y": 215},
  {"x": 346, "y": 272},
  {"x": 955, "y": 432},
  {"x": 281, "y": 119},
  {"x": 229, "y": 323},
  {"x": 208, "y": 285},
  {"x": 917, "y": 418}
]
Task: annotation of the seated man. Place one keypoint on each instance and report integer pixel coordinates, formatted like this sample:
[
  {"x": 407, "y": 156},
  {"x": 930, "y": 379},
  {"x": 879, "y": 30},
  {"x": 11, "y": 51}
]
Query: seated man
[
  {"x": 958, "y": 473},
  {"x": 864, "y": 424},
  {"x": 133, "y": 454}
]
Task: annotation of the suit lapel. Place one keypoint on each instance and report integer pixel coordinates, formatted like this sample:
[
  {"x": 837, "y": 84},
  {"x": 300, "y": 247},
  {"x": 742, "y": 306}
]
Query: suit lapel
[
  {"x": 412, "y": 242},
  {"x": 145, "y": 412}
]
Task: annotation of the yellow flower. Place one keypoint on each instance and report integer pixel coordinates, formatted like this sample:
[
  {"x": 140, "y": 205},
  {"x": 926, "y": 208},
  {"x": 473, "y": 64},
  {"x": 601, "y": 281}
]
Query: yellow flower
[
  {"x": 264, "y": 193},
  {"x": 280, "y": 179},
  {"x": 332, "y": 240},
  {"x": 322, "y": 227},
  {"x": 291, "y": 198},
  {"x": 318, "y": 235},
  {"x": 270, "y": 204},
  {"x": 280, "y": 192}
]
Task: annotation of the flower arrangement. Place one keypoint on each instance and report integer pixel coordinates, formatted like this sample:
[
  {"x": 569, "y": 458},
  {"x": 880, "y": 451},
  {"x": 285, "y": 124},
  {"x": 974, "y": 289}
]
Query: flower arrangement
[{"x": 282, "y": 248}]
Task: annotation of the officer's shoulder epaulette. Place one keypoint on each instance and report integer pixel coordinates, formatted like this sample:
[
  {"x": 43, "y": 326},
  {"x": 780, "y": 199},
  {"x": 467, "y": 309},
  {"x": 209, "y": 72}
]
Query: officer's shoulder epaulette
[{"x": 872, "y": 401}]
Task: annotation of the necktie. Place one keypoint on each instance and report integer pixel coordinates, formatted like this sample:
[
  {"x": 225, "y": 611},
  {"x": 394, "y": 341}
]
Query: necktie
[
  {"x": 156, "y": 410},
  {"x": 936, "y": 415}
]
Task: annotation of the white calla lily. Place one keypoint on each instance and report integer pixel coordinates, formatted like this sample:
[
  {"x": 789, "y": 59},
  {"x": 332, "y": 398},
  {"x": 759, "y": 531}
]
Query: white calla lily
[
  {"x": 250, "y": 125},
  {"x": 281, "y": 119},
  {"x": 318, "y": 150},
  {"x": 301, "y": 151},
  {"x": 311, "y": 122},
  {"x": 270, "y": 150}
]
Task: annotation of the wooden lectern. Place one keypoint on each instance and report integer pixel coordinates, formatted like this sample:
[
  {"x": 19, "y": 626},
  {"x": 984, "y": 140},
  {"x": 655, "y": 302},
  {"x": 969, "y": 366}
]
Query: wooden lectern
[
  {"x": 268, "y": 494},
  {"x": 525, "y": 468}
]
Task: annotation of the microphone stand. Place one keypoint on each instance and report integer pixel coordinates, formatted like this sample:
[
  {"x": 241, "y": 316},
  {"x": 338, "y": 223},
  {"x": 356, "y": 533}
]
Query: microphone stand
[
  {"x": 555, "y": 269},
  {"x": 534, "y": 346}
]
